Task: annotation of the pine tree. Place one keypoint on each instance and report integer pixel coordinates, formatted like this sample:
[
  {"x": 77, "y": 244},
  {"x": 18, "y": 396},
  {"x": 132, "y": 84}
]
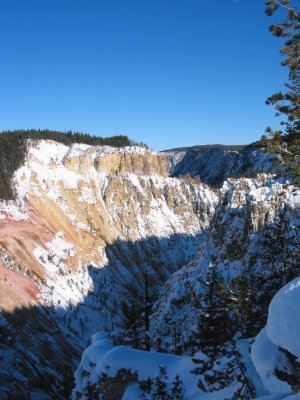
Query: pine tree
[
  {"x": 177, "y": 389},
  {"x": 215, "y": 323},
  {"x": 146, "y": 312},
  {"x": 242, "y": 302},
  {"x": 194, "y": 341},
  {"x": 225, "y": 370},
  {"x": 264, "y": 141},
  {"x": 146, "y": 387},
  {"x": 160, "y": 386},
  {"x": 131, "y": 323},
  {"x": 216, "y": 331},
  {"x": 288, "y": 103}
]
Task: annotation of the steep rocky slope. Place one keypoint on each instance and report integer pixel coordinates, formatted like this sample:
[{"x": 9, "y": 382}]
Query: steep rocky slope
[
  {"x": 251, "y": 244},
  {"x": 216, "y": 164},
  {"x": 249, "y": 262},
  {"x": 86, "y": 225}
]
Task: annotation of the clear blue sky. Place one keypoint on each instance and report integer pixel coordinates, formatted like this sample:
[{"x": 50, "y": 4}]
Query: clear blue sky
[{"x": 167, "y": 72}]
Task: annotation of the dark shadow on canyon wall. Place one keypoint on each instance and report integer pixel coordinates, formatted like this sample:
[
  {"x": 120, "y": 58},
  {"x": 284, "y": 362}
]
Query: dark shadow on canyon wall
[{"x": 39, "y": 347}]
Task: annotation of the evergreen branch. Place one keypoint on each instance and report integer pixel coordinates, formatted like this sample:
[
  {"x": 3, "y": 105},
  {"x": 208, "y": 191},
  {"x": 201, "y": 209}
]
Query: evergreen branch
[
  {"x": 286, "y": 6},
  {"x": 282, "y": 5}
]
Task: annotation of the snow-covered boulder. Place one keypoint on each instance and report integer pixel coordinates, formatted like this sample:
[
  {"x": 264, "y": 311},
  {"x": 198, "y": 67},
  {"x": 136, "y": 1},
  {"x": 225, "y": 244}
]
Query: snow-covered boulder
[
  {"x": 276, "y": 349},
  {"x": 267, "y": 358},
  {"x": 283, "y": 324}
]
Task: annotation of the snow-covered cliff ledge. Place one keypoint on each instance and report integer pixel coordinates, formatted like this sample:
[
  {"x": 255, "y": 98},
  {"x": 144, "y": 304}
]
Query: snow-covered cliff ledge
[
  {"x": 105, "y": 368},
  {"x": 107, "y": 372}
]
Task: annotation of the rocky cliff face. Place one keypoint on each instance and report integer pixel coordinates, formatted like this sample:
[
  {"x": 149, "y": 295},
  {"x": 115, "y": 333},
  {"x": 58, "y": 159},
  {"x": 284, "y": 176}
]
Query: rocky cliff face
[
  {"x": 215, "y": 165},
  {"x": 134, "y": 160},
  {"x": 88, "y": 222}
]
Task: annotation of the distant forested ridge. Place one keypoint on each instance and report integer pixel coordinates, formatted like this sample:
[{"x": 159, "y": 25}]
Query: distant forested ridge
[
  {"x": 13, "y": 149},
  {"x": 223, "y": 147}
]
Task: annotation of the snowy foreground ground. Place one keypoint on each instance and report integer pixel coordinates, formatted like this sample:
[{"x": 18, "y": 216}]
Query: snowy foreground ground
[{"x": 282, "y": 331}]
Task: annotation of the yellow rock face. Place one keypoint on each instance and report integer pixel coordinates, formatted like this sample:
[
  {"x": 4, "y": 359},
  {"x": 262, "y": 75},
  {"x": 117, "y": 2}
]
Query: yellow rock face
[
  {"x": 132, "y": 163},
  {"x": 118, "y": 162}
]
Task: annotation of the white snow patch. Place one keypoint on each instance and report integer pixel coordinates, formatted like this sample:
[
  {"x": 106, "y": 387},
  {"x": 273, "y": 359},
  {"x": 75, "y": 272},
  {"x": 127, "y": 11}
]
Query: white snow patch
[
  {"x": 78, "y": 149},
  {"x": 10, "y": 210},
  {"x": 87, "y": 196},
  {"x": 294, "y": 198},
  {"x": 47, "y": 151},
  {"x": 61, "y": 247},
  {"x": 82, "y": 226}
]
